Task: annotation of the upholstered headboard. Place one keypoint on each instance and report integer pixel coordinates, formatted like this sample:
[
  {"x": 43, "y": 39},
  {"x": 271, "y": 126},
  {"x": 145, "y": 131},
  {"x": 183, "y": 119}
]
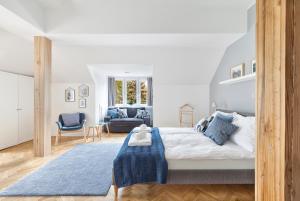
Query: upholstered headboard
[{"x": 246, "y": 114}]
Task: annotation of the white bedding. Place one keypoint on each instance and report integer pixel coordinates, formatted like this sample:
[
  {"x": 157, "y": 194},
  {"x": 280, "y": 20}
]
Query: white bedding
[
  {"x": 175, "y": 130},
  {"x": 186, "y": 149},
  {"x": 198, "y": 147}
]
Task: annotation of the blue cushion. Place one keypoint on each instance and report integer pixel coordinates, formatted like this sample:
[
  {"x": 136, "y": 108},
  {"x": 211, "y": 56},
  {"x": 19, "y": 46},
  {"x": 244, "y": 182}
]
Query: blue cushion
[
  {"x": 71, "y": 119},
  {"x": 228, "y": 117},
  {"x": 69, "y": 128},
  {"x": 220, "y": 130},
  {"x": 113, "y": 113}
]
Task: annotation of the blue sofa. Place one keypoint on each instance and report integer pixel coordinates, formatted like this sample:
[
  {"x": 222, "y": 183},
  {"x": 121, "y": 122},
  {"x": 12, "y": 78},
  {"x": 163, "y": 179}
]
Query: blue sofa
[{"x": 125, "y": 125}]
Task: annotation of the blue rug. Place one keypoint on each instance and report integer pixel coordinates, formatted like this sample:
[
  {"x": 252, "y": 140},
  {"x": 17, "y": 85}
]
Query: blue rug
[{"x": 86, "y": 170}]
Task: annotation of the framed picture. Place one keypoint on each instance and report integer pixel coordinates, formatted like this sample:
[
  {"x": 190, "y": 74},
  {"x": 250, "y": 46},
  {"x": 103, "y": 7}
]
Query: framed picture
[
  {"x": 253, "y": 66},
  {"x": 70, "y": 95},
  {"x": 83, "y": 90},
  {"x": 237, "y": 71},
  {"x": 82, "y": 103}
]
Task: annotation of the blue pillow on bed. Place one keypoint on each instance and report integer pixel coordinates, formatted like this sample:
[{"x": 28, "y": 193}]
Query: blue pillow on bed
[
  {"x": 228, "y": 117},
  {"x": 220, "y": 130}
]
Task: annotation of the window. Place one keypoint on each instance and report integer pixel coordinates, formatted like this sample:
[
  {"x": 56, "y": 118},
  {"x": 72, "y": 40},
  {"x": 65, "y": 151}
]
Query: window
[
  {"x": 119, "y": 91},
  {"x": 143, "y": 92},
  {"x": 131, "y": 91}
]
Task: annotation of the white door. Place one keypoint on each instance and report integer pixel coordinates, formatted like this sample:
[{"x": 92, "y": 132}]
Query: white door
[
  {"x": 8, "y": 110},
  {"x": 26, "y": 108}
]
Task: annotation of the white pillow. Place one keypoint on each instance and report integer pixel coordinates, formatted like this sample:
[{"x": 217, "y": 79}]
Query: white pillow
[{"x": 245, "y": 135}]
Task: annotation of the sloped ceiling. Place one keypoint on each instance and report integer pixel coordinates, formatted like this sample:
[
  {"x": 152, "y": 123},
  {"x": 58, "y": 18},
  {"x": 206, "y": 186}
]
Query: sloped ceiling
[{"x": 186, "y": 37}]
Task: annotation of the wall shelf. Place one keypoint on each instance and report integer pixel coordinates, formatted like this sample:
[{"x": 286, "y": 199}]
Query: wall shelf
[{"x": 245, "y": 78}]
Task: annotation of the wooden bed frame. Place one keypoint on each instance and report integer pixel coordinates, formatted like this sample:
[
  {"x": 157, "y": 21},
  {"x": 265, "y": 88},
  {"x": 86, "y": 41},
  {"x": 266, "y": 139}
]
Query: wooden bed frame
[{"x": 246, "y": 176}]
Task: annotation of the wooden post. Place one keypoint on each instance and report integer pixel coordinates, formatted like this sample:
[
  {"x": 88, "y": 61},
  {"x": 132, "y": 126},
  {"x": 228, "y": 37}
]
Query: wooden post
[
  {"x": 278, "y": 101},
  {"x": 42, "y": 96}
]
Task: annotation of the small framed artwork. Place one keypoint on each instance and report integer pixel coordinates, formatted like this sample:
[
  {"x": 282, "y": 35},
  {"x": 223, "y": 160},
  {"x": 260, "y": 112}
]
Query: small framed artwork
[
  {"x": 237, "y": 71},
  {"x": 83, "y": 90},
  {"x": 253, "y": 66},
  {"x": 82, "y": 103},
  {"x": 70, "y": 95}
]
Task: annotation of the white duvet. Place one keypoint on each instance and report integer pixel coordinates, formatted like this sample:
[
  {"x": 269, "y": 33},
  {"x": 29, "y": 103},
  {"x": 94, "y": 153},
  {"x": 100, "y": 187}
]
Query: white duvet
[
  {"x": 197, "y": 146},
  {"x": 174, "y": 130}
]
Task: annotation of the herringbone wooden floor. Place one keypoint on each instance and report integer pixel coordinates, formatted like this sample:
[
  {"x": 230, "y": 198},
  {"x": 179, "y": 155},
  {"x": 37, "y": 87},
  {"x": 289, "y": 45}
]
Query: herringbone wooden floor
[{"x": 18, "y": 161}]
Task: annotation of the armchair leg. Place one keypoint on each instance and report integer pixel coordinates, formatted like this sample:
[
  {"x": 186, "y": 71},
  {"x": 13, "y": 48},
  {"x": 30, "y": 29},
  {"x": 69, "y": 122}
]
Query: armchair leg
[
  {"x": 60, "y": 136},
  {"x": 56, "y": 138},
  {"x": 84, "y": 134}
]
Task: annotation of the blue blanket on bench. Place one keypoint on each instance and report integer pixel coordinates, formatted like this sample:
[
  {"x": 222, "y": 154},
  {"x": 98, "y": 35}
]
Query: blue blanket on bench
[{"x": 141, "y": 164}]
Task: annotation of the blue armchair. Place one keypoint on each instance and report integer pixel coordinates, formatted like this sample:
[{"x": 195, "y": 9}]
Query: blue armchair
[{"x": 63, "y": 128}]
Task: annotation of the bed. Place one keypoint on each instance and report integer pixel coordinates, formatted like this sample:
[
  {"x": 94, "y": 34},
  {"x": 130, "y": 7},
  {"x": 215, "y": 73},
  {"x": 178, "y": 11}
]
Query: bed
[{"x": 193, "y": 158}]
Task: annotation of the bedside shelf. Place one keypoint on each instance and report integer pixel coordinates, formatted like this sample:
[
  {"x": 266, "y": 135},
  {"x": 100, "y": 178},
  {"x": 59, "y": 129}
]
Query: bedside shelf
[{"x": 239, "y": 79}]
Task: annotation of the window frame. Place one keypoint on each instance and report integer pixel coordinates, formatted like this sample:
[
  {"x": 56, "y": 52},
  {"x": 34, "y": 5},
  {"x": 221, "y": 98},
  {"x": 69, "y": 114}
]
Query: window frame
[{"x": 138, "y": 90}]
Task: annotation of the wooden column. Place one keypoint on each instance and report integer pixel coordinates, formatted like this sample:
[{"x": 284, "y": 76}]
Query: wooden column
[
  {"x": 278, "y": 100},
  {"x": 42, "y": 96}
]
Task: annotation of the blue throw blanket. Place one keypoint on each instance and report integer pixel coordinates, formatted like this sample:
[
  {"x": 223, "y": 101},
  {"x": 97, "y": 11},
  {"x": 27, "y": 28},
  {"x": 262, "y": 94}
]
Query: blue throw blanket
[{"x": 141, "y": 164}]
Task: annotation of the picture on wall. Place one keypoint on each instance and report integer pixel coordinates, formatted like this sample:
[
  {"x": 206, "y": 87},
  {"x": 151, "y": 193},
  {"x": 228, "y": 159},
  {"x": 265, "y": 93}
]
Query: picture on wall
[
  {"x": 83, "y": 90},
  {"x": 253, "y": 66},
  {"x": 237, "y": 71},
  {"x": 82, "y": 103},
  {"x": 70, "y": 95}
]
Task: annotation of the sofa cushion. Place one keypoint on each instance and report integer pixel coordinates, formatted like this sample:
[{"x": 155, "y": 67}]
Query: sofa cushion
[
  {"x": 131, "y": 111},
  {"x": 71, "y": 119},
  {"x": 126, "y": 121},
  {"x": 69, "y": 128}
]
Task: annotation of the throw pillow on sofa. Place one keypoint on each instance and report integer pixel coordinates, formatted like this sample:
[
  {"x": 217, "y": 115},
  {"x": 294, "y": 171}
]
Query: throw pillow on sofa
[
  {"x": 122, "y": 113},
  {"x": 113, "y": 113},
  {"x": 140, "y": 114}
]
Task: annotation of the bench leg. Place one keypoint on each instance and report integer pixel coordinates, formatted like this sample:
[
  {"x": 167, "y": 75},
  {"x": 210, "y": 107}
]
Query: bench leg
[{"x": 116, "y": 192}]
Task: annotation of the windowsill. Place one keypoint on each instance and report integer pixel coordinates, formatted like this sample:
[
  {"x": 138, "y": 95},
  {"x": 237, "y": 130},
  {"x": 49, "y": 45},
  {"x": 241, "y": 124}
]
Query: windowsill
[{"x": 136, "y": 105}]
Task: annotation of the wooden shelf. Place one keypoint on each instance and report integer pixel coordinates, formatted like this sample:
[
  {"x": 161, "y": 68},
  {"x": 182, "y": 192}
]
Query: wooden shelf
[{"x": 239, "y": 79}]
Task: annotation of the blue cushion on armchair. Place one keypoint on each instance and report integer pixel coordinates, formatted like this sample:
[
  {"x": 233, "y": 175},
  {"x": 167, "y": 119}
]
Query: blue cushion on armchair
[{"x": 71, "y": 119}]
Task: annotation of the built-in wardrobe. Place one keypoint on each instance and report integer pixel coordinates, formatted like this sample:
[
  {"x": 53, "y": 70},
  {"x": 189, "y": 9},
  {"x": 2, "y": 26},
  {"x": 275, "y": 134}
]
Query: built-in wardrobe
[{"x": 16, "y": 109}]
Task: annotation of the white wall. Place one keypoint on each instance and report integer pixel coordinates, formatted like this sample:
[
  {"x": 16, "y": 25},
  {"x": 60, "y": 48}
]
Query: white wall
[
  {"x": 169, "y": 97},
  {"x": 59, "y": 105},
  {"x": 101, "y": 99},
  {"x": 183, "y": 68},
  {"x": 16, "y": 54},
  {"x": 178, "y": 73}
]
